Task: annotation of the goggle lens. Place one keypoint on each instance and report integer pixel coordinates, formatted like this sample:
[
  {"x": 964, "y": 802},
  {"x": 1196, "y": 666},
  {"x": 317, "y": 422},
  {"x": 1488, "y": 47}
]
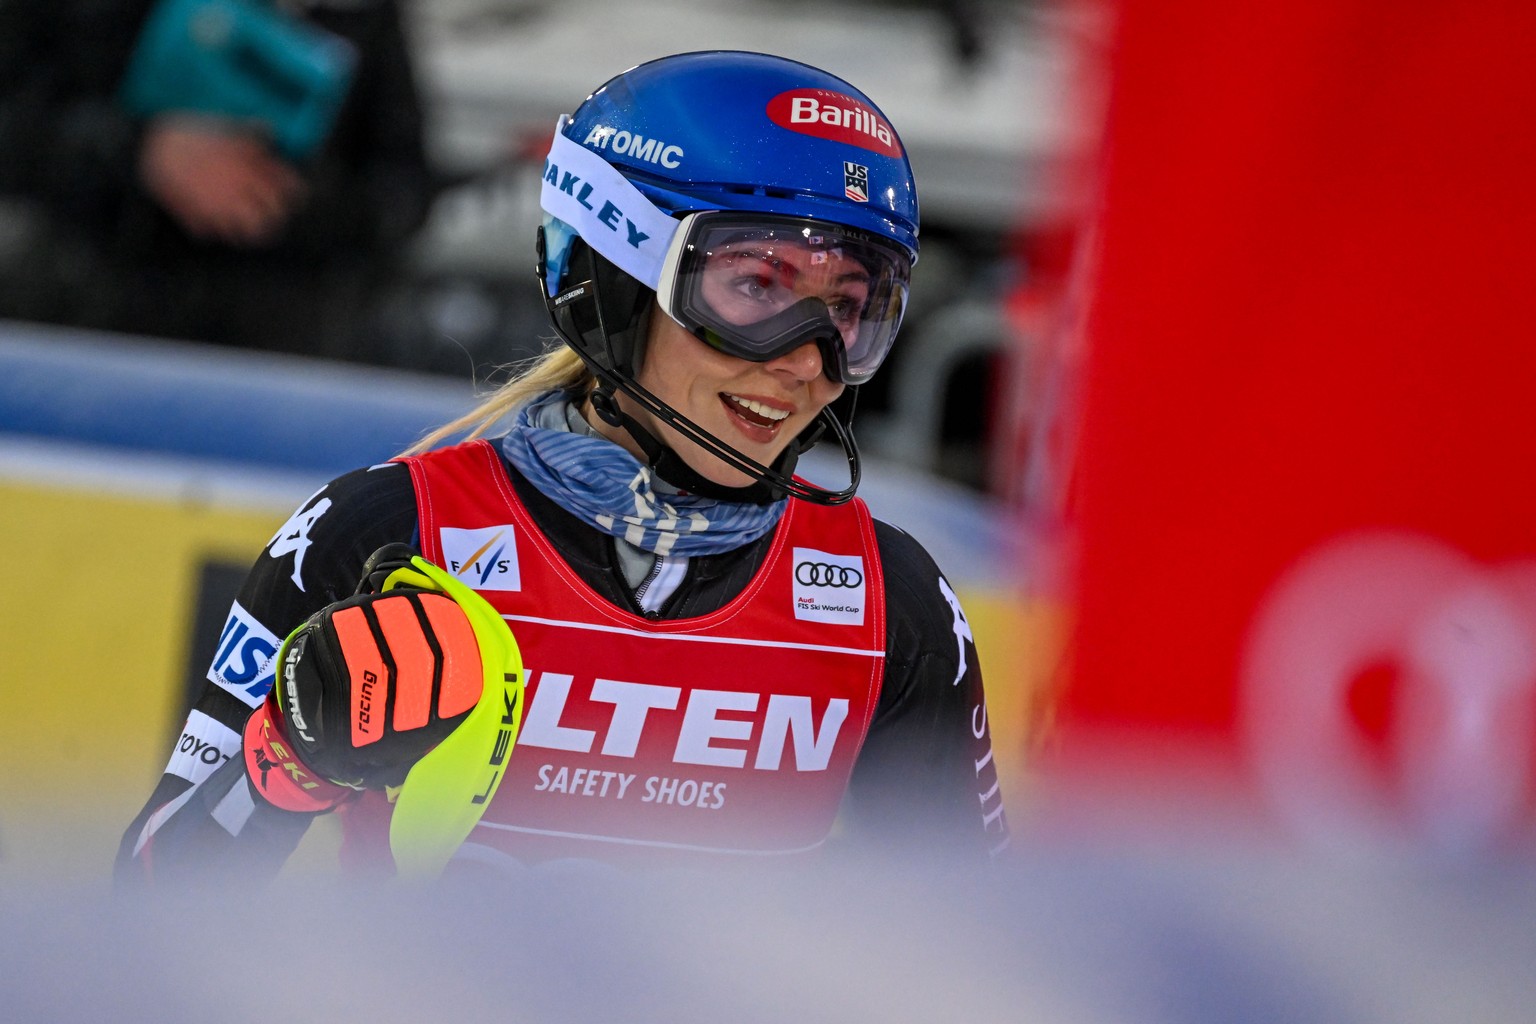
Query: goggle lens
[{"x": 761, "y": 287}]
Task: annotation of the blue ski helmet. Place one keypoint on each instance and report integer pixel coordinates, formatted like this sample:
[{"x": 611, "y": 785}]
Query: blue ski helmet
[{"x": 717, "y": 145}]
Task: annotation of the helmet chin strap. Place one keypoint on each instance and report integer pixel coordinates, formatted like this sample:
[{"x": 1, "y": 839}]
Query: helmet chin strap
[{"x": 771, "y": 483}]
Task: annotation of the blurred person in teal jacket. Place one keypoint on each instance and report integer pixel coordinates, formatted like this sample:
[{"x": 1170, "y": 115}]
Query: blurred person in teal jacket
[{"x": 189, "y": 216}]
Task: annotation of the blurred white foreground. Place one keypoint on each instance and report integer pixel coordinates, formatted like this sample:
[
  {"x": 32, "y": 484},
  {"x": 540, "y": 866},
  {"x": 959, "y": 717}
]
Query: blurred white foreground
[{"x": 1062, "y": 935}]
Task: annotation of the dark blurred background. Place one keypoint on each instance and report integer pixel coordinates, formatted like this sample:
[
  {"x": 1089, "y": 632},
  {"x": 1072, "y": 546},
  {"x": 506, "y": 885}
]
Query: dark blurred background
[{"x": 440, "y": 279}]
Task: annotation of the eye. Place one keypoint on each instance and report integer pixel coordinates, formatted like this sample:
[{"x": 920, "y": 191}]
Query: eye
[
  {"x": 758, "y": 285},
  {"x": 758, "y": 278},
  {"x": 845, "y": 310}
]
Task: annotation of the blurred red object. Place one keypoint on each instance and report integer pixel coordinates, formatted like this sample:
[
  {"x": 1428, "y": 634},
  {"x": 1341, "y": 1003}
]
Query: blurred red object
[{"x": 1302, "y": 483}]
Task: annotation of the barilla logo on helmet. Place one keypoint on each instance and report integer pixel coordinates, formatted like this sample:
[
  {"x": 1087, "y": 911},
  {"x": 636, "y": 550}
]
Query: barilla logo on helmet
[{"x": 833, "y": 116}]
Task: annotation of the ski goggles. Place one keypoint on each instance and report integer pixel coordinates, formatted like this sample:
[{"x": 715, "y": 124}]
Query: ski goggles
[
  {"x": 759, "y": 286},
  {"x": 753, "y": 285}
]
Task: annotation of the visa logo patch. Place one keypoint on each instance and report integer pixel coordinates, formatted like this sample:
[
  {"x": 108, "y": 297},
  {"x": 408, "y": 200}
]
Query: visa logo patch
[
  {"x": 242, "y": 663},
  {"x": 828, "y": 587},
  {"x": 486, "y": 559}
]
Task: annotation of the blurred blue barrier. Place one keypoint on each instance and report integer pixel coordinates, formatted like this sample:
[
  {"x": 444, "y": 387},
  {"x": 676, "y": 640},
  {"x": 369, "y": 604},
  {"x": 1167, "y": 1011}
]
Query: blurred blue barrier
[
  {"x": 191, "y": 400},
  {"x": 308, "y": 418}
]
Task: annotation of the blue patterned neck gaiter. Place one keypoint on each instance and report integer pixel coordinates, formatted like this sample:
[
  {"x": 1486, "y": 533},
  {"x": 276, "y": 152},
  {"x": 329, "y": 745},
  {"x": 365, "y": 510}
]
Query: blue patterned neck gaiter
[{"x": 602, "y": 484}]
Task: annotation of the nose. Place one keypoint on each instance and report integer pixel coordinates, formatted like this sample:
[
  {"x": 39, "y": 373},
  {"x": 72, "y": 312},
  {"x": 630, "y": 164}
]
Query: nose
[{"x": 803, "y": 363}]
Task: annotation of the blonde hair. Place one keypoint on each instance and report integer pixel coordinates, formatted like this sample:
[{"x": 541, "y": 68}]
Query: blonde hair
[{"x": 559, "y": 369}]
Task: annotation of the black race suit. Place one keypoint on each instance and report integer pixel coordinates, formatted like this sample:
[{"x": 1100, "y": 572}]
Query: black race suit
[{"x": 925, "y": 777}]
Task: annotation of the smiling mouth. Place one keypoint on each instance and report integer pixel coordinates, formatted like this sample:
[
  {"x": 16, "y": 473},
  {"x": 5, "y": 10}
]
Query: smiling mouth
[{"x": 755, "y": 412}]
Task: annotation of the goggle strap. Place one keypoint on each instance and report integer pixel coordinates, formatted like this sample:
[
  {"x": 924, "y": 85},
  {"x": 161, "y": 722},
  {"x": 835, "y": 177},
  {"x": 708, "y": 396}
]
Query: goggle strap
[{"x": 610, "y": 214}]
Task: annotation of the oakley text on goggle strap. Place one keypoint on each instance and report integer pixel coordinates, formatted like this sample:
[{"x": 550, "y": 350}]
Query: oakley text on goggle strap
[{"x": 611, "y": 215}]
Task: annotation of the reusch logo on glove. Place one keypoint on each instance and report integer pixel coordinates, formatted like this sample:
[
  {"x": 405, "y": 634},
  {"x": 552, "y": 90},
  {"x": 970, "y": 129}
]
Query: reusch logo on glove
[
  {"x": 833, "y": 116},
  {"x": 291, "y": 709}
]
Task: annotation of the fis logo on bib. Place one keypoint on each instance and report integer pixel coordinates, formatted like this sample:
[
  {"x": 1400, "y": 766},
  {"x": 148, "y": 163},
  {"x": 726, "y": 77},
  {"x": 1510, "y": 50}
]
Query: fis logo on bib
[
  {"x": 828, "y": 587},
  {"x": 486, "y": 559}
]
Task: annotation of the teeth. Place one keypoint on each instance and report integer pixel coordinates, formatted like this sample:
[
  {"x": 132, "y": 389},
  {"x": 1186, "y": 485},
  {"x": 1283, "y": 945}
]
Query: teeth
[{"x": 767, "y": 412}]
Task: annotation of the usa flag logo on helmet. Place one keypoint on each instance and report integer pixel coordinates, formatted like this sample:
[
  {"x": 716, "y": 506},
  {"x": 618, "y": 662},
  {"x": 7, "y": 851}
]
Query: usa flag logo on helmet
[{"x": 856, "y": 181}]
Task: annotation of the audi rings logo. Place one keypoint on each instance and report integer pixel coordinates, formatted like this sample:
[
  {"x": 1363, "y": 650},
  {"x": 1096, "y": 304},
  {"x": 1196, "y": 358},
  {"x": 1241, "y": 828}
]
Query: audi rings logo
[
  {"x": 828, "y": 587},
  {"x": 825, "y": 574}
]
